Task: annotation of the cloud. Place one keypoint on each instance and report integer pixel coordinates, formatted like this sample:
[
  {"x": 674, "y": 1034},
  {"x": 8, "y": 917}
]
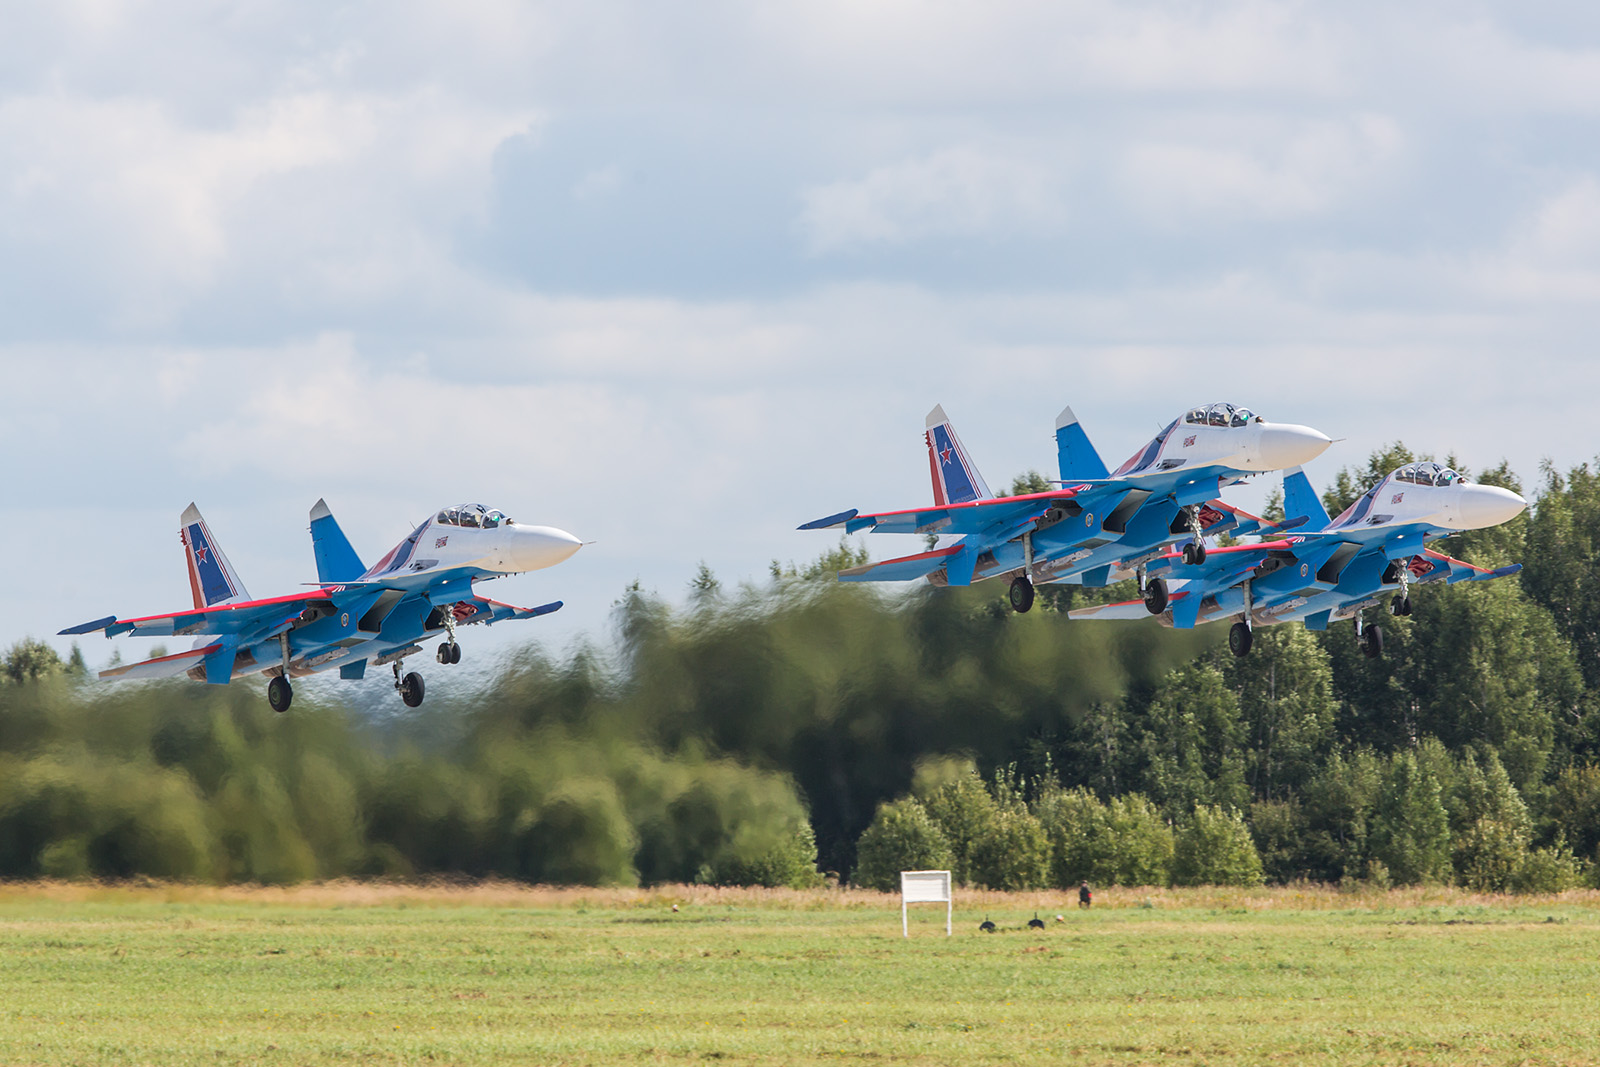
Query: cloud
[
  {"x": 958, "y": 192},
  {"x": 1304, "y": 170}
]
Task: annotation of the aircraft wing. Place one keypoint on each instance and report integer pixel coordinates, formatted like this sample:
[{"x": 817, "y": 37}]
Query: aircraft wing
[
  {"x": 974, "y": 517},
  {"x": 239, "y": 617}
]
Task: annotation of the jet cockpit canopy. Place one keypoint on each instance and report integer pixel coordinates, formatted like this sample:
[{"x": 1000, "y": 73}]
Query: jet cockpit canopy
[
  {"x": 1221, "y": 415},
  {"x": 475, "y": 516},
  {"x": 1436, "y": 474}
]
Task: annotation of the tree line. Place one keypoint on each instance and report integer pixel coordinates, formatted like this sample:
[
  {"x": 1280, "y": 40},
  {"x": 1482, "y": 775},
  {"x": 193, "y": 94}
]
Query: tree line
[{"x": 795, "y": 727}]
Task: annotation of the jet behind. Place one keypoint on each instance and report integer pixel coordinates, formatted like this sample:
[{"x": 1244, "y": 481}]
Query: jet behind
[{"x": 1101, "y": 526}]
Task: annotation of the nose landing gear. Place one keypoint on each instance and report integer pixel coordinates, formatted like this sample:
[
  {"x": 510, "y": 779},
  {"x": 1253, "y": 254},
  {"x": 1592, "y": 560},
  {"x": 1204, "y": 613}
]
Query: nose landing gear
[{"x": 1194, "y": 553}]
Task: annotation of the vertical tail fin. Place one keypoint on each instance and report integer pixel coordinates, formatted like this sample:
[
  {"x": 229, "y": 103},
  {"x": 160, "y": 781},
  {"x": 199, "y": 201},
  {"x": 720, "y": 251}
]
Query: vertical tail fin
[
  {"x": 955, "y": 478},
  {"x": 212, "y": 578},
  {"x": 336, "y": 559},
  {"x": 1078, "y": 458},
  {"x": 1300, "y": 499}
]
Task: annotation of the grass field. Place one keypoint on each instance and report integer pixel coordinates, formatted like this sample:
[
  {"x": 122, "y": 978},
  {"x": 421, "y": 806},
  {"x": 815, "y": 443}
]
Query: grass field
[{"x": 502, "y": 974}]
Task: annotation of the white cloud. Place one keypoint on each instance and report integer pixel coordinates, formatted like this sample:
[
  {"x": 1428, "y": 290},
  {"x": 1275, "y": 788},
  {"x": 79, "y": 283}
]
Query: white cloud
[
  {"x": 957, "y": 192},
  {"x": 1301, "y": 171}
]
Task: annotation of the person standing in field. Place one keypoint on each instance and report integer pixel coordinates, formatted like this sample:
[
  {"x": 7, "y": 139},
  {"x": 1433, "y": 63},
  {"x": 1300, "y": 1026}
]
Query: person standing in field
[{"x": 1085, "y": 898}]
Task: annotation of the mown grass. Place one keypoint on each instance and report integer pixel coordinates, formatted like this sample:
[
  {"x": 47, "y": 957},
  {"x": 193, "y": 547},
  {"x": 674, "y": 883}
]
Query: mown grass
[{"x": 504, "y": 974}]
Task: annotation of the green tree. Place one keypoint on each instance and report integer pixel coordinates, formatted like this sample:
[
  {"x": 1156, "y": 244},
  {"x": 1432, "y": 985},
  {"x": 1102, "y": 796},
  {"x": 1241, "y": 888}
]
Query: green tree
[
  {"x": 1213, "y": 847},
  {"x": 30, "y": 660},
  {"x": 1193, "y": 742},
  {"x": 1410, "y": 827},
  {"x": 968, "y": 817},
  {"x": 901, "y": 837},
  {"x": 1286, "y": 702}
]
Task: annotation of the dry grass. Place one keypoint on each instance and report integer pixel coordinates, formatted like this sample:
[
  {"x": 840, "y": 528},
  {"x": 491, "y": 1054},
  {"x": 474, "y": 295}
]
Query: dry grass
[{"x": 504, "y": 894}]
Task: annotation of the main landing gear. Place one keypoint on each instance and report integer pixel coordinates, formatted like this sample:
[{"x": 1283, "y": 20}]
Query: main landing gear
[
  {"x": 1021, "y": 594},
  {"x": 1370, "y": 638},
  {"x": 1154, "y": 592},
  {"x": 280, "y": 694},
  {"x": 1242, "y": 635},
  {"x": 1022, "y": 584},
  {"x": 409, "y": 687}
]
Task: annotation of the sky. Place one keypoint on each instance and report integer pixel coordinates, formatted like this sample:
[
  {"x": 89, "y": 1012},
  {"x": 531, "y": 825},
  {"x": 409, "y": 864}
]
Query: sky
[{"x": 679, "y": 277}]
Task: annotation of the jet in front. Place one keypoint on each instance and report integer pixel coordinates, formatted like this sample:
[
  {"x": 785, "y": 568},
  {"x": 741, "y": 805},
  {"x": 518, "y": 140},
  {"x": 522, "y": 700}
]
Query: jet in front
[
  {"x": 1376, "y": 547},
  {"x": 356, "y": 616}
]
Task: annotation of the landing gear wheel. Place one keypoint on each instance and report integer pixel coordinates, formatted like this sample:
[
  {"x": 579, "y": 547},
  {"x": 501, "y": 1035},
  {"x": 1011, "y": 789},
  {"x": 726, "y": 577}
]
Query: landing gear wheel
[
  {"x": 443, "y": 655},
  {"x": 1240, "y": 638},
  {"x": 1155, "y": 596},
  {"x": 1400, "y": 605},
  {"x": 279, "y": 694},
  {"x": 455, "y": 652},
  {"x": 1021, "y": 594},
  {"x": 411, "y": 689},
  {"x": 1372, "y": 641},
  {"x": 1194, "y": 553}
]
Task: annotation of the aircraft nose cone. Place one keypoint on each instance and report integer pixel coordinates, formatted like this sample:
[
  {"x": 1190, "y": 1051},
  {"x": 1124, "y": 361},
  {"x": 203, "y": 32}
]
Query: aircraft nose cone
[
  {"x": 1285, "y": 445},
  {"x": 1488, "y": 505},
  {"x": 536, "y": 547}
]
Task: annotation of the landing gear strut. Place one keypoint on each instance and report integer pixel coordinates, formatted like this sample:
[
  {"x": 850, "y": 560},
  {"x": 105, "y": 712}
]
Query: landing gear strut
[
  {"x": 410, "y": 687},
  {"x": 1241, "y": 636},
  {"x": 1370, "y": 638},
  {"x": 280, "y": 694}
]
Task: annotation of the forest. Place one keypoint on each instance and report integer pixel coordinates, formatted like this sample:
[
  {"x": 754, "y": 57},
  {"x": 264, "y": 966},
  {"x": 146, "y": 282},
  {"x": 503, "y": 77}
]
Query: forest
[{"x": 795, "y": 729}]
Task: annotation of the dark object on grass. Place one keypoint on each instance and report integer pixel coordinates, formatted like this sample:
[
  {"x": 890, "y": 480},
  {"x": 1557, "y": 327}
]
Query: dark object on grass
[
  {"x": 986, "y": 926},
  {"x": 1085, "y": 898},
  {"x": 1036, "y": 923}
]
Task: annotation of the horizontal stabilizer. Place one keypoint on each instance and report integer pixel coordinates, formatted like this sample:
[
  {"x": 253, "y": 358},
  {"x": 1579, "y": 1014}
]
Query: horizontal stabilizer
[
  {"x": 163, "y": 666},
  {"x": 832, "y": 520},
  {"x": 904, "y": 569},
  {"x": 89, "y": 627},
  {"x": 1128, "y": 610}
]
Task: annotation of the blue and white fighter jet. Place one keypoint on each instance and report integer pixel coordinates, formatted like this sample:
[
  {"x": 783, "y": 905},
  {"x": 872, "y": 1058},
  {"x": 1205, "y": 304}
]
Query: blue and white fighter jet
[
  {"x": 1377, "y": 546},
  {"x": 355, "y": 615},
  {"x": 1101, "y": 526}
]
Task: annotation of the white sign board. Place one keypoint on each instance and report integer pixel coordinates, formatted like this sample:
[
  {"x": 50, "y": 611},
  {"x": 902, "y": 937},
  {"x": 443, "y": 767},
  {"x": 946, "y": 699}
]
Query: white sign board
[{"x": 925, "y": 887}]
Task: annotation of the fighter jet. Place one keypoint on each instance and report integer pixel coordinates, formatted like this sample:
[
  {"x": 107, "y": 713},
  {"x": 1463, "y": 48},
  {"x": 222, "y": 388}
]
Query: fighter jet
[
  {"x": 1375, "y": 547},
  {"x": 354, "y": 615},
  {"x": 1100, "y": 526}
]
